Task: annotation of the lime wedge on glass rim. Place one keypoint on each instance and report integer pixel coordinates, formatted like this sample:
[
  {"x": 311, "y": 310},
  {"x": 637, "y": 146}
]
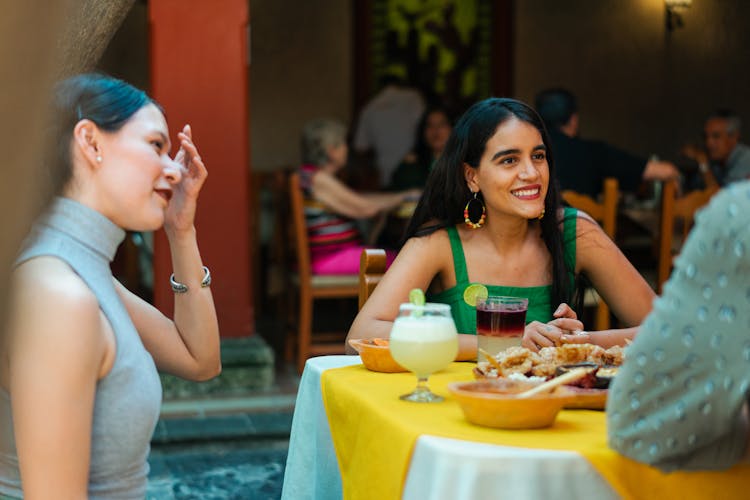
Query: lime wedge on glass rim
[
  {"x": 416, "y": 297},
  {"x": 474, "y": 292}
]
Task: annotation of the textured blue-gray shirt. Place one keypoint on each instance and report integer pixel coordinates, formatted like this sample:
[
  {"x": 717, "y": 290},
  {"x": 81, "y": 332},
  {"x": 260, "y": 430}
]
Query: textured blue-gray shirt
[{"x": 678, "y": 398}]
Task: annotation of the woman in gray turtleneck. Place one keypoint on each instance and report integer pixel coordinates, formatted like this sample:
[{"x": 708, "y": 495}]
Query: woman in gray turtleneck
[{"x": 80, "y": 383}]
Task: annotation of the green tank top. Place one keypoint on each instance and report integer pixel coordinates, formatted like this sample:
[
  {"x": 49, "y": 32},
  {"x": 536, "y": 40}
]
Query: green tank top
[{"x": 540, "y": 306}]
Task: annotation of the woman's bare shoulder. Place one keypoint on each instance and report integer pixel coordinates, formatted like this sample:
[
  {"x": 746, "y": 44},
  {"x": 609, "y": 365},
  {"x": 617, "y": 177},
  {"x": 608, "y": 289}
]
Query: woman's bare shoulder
[
  {"x": 564, "y": 215},
  {"x": 56, "y": 320},
  {"x": 49, "y": 284},
  {"x": 430, "y": 236}
]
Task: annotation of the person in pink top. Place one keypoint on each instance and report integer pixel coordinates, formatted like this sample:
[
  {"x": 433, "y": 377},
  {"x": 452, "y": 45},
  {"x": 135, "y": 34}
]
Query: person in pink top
[{"x": 331, "y": 207}]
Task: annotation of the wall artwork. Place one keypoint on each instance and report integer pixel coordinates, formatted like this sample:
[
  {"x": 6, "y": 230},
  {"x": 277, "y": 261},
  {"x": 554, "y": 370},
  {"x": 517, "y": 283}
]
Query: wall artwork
[{"x": 443, "y": 47}]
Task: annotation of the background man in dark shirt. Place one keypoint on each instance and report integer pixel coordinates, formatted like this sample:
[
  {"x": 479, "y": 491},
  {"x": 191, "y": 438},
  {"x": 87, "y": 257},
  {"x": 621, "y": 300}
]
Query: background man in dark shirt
[{"x": 582, "y": 165}]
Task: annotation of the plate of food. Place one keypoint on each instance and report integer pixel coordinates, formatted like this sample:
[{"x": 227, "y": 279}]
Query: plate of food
[
  {"x": 589, "y": 392},
  {"x": 376, "y": 355}
]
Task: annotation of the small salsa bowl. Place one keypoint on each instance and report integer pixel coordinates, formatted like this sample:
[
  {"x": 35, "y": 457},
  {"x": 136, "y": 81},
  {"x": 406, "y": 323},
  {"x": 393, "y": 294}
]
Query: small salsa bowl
[
  {"x": 376, "y": 355},
  {"x": 494, "y": 403}
]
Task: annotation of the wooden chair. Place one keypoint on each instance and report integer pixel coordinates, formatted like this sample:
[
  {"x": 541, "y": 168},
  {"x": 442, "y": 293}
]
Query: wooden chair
[
  {"x": 606, "y": 214},
  {"x": 674, "y": 210},
  {"x": 312, "y": 287},
  {"x": 372, "y": 265}
]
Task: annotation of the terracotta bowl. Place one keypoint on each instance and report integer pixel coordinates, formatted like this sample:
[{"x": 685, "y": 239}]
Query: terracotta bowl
[
  {"x": 494, "y": 403},
  {"x": 376, "y": 357}
]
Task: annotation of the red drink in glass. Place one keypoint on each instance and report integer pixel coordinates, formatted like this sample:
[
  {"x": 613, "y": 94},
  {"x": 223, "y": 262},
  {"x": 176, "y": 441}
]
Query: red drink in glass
[{"x": 500, "y": 322}]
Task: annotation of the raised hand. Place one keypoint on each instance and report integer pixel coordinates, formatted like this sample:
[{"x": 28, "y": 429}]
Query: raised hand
[{"x": 180, "y": 213}]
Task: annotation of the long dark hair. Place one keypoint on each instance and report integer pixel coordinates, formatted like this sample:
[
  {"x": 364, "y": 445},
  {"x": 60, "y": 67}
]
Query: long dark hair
[
  {"x": 446, "y": 192},
  {"x": 106, "y": 101}
]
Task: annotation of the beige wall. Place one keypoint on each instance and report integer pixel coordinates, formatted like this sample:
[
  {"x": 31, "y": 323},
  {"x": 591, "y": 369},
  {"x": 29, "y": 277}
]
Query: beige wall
[
  {"x": 301, "y": 68},
  {"x": 638, "y": 87}
]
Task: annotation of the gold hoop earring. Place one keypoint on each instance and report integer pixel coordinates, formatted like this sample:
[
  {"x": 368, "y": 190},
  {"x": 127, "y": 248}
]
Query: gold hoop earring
[
  {"x": 541, "y": 215},
  {"x": 477, "y": 220}
]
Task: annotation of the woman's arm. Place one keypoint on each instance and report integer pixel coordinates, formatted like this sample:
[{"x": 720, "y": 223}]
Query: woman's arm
[
  {"x": 416, "y": 266},
  {"x": 59, "y": 348},
  {"x": 345, "y": 201},
  {"x": 189, "y": 345},
  {"x": 604, "y": 338},
  {"x": 615, "y": 279}
]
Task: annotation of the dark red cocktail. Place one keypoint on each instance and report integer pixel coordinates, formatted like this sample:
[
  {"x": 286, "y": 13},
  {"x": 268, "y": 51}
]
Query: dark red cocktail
[{"x": 500, "y": 322}]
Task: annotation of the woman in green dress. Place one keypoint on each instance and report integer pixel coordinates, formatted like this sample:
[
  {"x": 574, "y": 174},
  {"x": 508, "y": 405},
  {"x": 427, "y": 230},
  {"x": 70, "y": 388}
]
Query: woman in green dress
[{"x": 490, "y": 215}]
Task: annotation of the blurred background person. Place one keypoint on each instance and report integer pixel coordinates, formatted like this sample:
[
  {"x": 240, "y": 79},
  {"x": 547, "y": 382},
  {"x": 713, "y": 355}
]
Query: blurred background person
[
  {"x": 387, "y": 125},
  {"x": 725, "y": 158},
  {"x": 331, "y": 207},
  {"x": 432, "y": 134},
  {"x": 582, "y": 165}
]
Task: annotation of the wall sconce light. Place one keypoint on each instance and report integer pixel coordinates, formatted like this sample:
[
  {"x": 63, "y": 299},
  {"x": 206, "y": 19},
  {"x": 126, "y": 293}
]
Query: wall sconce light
[{"x": 674, "y": 10}]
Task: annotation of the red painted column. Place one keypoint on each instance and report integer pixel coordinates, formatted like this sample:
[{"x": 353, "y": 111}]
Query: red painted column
[{"x": 199, "y": 74}]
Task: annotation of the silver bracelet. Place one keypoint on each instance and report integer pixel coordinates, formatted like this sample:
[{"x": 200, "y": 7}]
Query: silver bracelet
[{"x": 178, "y": 287}]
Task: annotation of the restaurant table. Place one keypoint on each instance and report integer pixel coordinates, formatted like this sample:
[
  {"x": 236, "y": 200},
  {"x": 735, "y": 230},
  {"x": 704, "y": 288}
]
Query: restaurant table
[
  {"x": 440, "y": 468},
  {"x": 367, "y": 419}
]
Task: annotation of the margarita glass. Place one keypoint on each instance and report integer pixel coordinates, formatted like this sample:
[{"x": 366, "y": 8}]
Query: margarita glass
[{"x": 424, "y": 340}]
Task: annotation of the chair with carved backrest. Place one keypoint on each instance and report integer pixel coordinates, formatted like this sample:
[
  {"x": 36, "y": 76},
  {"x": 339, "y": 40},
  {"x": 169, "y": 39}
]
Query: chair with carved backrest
[
  {"x": 604, "y": 212},
  {"x": 677, "y": 210},
  {"x": 372, "y": 266},
  {"x": 312, "y": 287}
]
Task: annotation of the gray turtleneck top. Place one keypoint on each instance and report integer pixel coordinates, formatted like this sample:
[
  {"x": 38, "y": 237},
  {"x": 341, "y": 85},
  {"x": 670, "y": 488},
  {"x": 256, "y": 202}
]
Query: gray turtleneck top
[{"x": 128, "y": 398}]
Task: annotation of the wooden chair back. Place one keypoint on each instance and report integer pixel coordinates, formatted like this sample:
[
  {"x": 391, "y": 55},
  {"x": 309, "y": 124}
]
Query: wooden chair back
[
  {"x": 675, "y": 210},
  {"x": 313, "y": 286},
  {"x": 299, "y": 230},
  {"x": 605, "y": 213},
  {"x": 372, "y": 265}
]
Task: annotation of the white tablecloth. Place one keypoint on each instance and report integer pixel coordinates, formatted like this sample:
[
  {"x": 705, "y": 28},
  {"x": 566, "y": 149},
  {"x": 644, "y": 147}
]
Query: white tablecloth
[{"x": 440, "y": 468}]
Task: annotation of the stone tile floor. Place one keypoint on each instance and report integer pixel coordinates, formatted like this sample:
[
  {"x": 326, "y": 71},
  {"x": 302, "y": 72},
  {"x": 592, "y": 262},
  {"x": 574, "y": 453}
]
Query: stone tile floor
[
  {"x": 224, "y": 447},
  {"x": 218, "y": 470}
]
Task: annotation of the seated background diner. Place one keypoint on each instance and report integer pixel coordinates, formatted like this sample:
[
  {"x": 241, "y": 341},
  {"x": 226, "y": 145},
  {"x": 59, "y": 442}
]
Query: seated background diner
[
  {"x": 331, "y": 207},
  {"x": 498, "y": 155},
  {"x": 433, "y": 131},
  {"x": 725, "y": 159},
  {"x": 582, "y": 164},
  {"x": 680, "y": 400}
]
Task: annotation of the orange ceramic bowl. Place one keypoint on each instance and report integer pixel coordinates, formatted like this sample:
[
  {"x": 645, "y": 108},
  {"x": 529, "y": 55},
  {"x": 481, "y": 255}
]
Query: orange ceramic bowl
[
  {"x": 376, "y": 355},
  {"x": 494, "y": 403}
]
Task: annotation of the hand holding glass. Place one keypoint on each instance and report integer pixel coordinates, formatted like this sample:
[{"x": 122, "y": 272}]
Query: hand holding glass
[{"x": 424, "y": 340}]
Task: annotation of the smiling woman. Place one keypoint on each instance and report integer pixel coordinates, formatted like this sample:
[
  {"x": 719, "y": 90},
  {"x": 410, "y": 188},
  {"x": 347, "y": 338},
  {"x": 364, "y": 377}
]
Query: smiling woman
[
  {"x": 82, "y": 348},
  {"x": 526, "y": 246}
]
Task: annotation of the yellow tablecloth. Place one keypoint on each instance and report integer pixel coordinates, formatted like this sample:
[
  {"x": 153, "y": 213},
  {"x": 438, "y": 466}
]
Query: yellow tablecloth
[{"x": 374, "y": 434}]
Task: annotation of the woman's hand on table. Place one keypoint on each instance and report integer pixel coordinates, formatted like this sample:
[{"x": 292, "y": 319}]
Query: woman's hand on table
[{"x": 537, "y": 334}]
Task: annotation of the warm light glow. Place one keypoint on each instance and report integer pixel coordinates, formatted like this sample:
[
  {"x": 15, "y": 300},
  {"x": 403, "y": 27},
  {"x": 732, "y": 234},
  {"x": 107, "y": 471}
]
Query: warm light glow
[{"x": 674, "y": 16}]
